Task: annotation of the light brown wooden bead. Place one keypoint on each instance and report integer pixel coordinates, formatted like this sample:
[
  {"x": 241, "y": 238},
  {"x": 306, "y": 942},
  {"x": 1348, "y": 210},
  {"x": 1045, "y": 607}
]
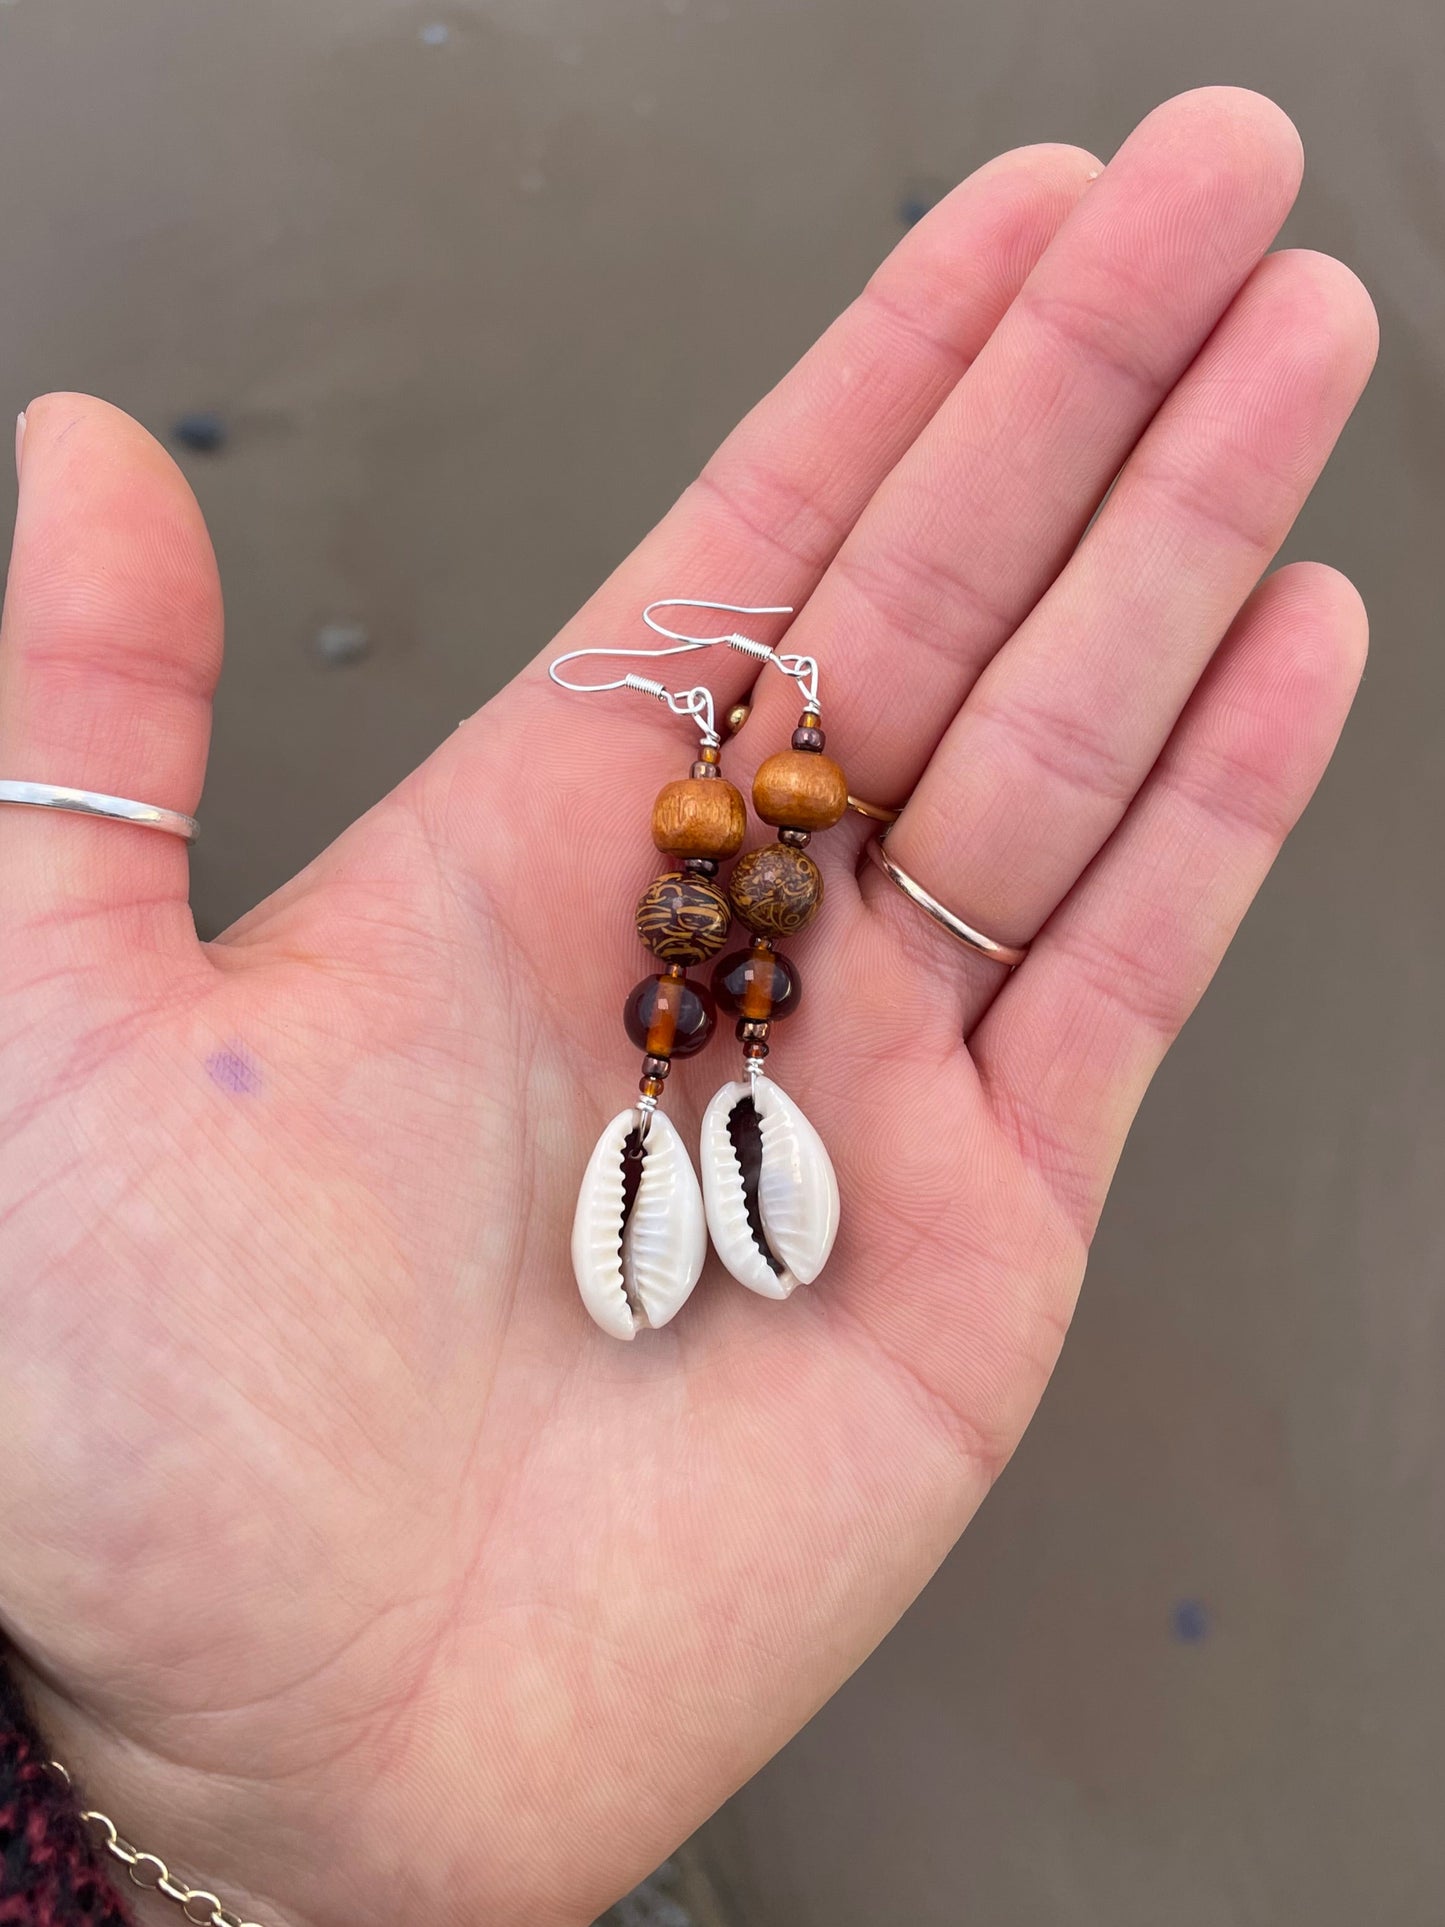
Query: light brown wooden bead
[
  {"x": 800, "y": 790},
  {"x": 699, "y": 816}
]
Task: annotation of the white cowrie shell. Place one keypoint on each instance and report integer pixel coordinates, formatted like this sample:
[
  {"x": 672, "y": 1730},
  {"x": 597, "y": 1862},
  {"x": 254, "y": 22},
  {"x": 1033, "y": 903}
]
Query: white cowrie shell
[
  {"x": 642, "y": 1275},
  {"x": 797, "y": 1191}
]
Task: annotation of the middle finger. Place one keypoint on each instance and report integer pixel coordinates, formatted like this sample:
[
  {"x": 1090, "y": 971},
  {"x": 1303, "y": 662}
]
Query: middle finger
[{"x": 983, "y": 511}]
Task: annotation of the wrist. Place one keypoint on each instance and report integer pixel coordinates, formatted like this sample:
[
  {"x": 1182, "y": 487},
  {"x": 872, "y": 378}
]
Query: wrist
[{"x": 64, "y": 1867}]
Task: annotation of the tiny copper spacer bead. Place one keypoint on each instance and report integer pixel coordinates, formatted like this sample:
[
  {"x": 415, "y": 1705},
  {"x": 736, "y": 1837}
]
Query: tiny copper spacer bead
[
  {"x": 650, "y": 1087},
  {"x": 795, "y": 839},
  {"x": 809, "y": 738},
  {"x": 656, "y": 1066},
  {"x": 676, "y": 971},
  {"x": 752, "y": 1030},
  {"x": 700, "y": 866}
]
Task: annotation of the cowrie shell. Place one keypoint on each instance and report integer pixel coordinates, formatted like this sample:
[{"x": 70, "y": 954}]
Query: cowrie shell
[
  {"x": 641, "y": 1274},
  {"x": 797, "y": 1192}
]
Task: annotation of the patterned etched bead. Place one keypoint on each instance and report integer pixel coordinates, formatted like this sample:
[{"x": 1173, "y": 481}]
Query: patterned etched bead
[
  {"x": 776, "y": 891},
  {"x": 669, "y": 1017},
  {"x": 683, "y": 919}
]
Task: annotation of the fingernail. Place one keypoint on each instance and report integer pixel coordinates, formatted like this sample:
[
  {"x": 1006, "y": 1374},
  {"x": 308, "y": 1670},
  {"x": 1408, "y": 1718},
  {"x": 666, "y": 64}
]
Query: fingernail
[{"x": 19, "y": 441}]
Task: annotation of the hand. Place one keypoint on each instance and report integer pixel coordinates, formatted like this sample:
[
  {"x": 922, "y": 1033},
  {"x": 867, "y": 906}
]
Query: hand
[{"x": 353, "y": 1568}]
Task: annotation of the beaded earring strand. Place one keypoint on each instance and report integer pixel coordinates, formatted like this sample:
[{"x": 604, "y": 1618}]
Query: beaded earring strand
[
  {"x": 768, "y": 1184},
  {"x": 639, "y": 1237}
]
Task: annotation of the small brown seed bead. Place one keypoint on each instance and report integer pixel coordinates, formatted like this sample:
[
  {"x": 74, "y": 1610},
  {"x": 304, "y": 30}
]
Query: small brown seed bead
[
  {"x": 683, "y": 919},
  {"x": 776, "y": 891},
  {"x": 795, "y": 839},
  {"x": 656, "y": 1066},
  {"x": 803, "y": 790},
  {"x": 650, "y": 1087},
  {"x": 755, "y": 1050},
  {"x": 700, "y": 816},
  {"x": 812, "y": 740}
]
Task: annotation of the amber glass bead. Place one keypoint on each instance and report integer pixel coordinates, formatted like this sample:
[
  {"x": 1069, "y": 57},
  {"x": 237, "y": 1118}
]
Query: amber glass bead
[
  {"x": 683, "y": 919},
  {"x": 669, "y": 1017},
  {"x": 756, "y": 983},
  {"x": 800, "y": 789},
  {"x": 776, "y": 891},
  {"x": 699, "y": 816}
]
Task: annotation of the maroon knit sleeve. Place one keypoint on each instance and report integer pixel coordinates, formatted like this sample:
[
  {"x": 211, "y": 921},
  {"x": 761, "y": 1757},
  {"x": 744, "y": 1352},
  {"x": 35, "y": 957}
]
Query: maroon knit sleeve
[{"x": 49, "y": 1875}]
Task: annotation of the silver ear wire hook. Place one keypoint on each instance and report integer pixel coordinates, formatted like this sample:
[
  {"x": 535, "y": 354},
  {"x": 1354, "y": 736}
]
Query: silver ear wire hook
[
  {"x": 802, "y": 669},
  {"x": 723, "y": 608},
  {"x": 696, "y": 702}
]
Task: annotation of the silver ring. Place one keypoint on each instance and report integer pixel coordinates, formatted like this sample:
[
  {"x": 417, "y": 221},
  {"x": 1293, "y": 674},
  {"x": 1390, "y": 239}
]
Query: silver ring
[
  {"x": 1011, "y": 954},
  {"x": 120, "y": 809}
]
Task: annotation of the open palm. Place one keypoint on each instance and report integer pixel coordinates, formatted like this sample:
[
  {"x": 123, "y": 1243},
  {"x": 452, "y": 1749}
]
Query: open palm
[{"x": 348, "y": 1562}]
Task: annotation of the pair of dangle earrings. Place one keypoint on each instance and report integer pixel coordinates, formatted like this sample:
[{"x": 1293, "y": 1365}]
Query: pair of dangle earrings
[{"x": 768, "y": 1195}]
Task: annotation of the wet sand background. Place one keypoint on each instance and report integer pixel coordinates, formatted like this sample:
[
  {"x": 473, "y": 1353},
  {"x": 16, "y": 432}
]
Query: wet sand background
[{"x": 475, "y": 288}]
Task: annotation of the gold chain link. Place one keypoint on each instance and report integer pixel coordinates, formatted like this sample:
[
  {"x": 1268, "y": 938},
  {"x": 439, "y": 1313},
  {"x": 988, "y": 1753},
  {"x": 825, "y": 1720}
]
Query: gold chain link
[{"x": 150, "y": 1872}]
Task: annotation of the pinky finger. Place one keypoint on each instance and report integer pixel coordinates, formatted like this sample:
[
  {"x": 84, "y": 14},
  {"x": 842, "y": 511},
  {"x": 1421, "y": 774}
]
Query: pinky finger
[{"x": 1068, "y": 1050}]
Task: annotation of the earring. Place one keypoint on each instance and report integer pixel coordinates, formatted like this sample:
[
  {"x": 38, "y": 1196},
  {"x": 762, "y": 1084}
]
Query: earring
[
  {"x": 639, "y": 1237},
  {"x": 768, "y": 1184}
]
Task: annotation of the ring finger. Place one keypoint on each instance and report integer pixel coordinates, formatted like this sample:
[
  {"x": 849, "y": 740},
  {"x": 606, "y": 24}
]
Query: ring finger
[{"x": 1064, "y": 725}]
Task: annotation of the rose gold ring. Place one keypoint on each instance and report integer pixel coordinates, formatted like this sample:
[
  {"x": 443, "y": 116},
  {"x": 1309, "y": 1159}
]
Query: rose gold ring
[
  {"x": 1009, "y": 954},
  {"x": 876, "y": 812}
]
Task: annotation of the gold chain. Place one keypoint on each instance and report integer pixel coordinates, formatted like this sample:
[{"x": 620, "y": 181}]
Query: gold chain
[{"x": 152, "y": 1875}]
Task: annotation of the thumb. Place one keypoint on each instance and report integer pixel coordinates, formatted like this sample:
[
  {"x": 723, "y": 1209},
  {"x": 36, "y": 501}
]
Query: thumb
[{"x": 109, "y": 653}]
